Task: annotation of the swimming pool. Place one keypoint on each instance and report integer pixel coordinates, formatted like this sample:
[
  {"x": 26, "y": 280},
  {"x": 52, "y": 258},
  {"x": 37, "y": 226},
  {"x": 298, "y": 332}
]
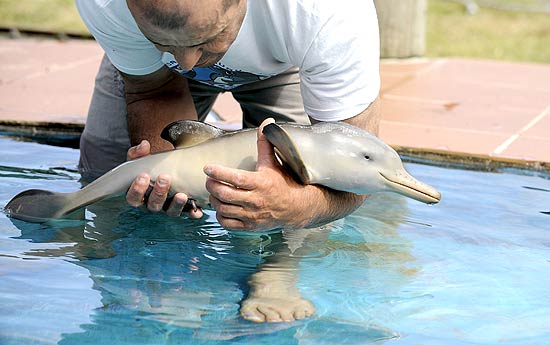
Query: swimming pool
[{"x": 474, "y": 269}]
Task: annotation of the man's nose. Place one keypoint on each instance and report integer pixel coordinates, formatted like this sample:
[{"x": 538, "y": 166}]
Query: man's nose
[{"x": 187, "y": 58}]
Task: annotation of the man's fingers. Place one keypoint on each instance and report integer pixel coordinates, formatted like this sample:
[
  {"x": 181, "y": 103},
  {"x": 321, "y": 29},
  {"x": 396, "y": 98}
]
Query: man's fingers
[
  {"x": 230, "y": 223},
  {"x": 226, "y": 193},
  {"x": 197, "y": 214},
  {"x": 180, "y": 203},
  {"x": 225, "y": 209},
  {"x": 137, "y": 190},
  {"x": 232, "y": 217},
  {"x": 141, "y": 150},
  {"x": 176, "y": 206},
  {"x": 159, "y": 194},
  {"x": 239, "y": 178}
]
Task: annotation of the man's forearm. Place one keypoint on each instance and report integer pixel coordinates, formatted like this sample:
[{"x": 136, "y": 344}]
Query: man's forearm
[
  {"x": 153, "y": 105},
  {"x": 331, "y": 205},
  {"x": 147, "y": 118}
]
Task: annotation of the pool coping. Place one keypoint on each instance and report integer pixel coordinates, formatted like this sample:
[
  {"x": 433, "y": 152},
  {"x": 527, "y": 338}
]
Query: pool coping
[
  {"x": 470, "y": 161},
  {"x": 68, "y": 134}
]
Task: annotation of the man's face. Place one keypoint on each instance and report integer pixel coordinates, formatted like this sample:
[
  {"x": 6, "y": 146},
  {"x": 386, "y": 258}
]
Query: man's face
[{"x": 204, "y": 38}]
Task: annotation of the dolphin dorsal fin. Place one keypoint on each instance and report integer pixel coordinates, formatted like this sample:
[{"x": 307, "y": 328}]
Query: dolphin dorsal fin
[
  {"x": 287, "y": 151},
  {"x": 186, "y": 133}
]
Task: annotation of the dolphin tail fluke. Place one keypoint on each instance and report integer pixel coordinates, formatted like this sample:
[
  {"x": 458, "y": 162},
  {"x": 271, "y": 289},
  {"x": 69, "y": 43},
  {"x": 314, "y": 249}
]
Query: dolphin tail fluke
[{"x": 36, "y": 205}]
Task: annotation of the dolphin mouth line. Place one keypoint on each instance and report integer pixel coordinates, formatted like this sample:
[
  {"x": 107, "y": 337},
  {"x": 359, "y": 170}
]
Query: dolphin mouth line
[{"x": 429, "y": 197}]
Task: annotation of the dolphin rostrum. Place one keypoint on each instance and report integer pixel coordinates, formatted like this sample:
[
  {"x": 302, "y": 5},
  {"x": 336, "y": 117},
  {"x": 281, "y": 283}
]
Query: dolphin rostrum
[{"x": 332, "y": 154}]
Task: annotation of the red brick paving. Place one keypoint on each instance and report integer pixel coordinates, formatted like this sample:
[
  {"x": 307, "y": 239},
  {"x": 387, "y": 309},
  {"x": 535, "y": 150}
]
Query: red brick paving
[
  {"x": 47, "y": 80},
  {"x": 492, "y": 108},
  {"x": 485, "y": 107}
]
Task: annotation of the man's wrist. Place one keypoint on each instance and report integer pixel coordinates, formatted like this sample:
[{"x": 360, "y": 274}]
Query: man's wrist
[{"x": 324, "y": 205}]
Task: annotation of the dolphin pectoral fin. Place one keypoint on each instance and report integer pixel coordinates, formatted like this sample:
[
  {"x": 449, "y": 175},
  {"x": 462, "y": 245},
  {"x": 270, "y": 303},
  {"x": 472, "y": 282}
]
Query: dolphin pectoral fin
[
  {"x": 287, "y": 151},
  {"x": 186, "y": 133}
]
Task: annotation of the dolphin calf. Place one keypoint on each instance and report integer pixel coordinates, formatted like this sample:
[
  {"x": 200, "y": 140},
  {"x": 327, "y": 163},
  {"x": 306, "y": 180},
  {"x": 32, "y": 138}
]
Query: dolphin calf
[{"x": 332, "y": 154}]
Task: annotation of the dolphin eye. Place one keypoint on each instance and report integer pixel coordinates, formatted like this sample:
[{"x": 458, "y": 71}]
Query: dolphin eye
[{"x": 367, "y": 157}]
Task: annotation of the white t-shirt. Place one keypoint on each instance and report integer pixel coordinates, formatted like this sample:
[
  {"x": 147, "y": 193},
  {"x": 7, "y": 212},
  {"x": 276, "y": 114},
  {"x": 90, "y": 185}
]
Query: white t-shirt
[{"x": 334, "y": 43}]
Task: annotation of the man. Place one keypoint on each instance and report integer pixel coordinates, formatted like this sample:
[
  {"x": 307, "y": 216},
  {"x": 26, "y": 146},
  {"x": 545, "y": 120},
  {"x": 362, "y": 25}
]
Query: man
[
  {"x": 162, "y": 51},
  {"x": 167, "y": 60}
]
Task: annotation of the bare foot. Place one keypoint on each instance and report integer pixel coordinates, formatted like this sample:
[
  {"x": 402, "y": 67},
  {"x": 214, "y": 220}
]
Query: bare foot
[
  {"x": 274, "y": 297},
  {"x": 276, "y": 309}
]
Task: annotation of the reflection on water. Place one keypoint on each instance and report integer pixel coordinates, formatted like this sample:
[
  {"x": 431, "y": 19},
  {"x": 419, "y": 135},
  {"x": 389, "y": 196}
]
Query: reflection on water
[{"x": 473, "y": 269}]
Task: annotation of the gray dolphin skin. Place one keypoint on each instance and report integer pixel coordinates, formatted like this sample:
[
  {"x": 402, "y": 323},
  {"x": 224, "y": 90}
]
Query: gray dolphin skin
[{"x": 332, "y": 154}]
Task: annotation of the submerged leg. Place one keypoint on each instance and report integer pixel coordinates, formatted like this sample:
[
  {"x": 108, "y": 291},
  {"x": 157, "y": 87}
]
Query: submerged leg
[{"x": 273, "y": 295}]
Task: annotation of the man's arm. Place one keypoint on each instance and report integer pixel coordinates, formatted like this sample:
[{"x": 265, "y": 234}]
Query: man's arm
[
  {"x": 154, "y": 101},
  {"x": 269, "y": 198}
]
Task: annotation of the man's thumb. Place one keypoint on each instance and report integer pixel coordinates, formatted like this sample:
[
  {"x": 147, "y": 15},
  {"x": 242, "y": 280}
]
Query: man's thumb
[
  {"x": 141, "y": 150},
  {"x": 266, "y": 154}
]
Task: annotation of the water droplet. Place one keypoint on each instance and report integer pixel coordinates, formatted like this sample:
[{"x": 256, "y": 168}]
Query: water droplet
[{"x": 262, "y": 253}]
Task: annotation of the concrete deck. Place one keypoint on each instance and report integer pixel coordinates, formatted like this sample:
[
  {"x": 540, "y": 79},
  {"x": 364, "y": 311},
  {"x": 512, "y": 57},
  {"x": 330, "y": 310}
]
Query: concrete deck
[{"x": 488, "y": 108}]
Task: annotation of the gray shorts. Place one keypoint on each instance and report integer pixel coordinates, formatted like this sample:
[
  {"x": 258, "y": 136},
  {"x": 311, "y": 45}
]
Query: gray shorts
[{"x": 105, "y": 140}]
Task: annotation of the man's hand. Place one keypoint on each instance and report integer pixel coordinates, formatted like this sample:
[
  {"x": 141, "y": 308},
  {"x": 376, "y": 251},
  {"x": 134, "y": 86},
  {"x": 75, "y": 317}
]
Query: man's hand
[
  {"x": 260, "y": 200},
  {"x": 159, "y": 193}
]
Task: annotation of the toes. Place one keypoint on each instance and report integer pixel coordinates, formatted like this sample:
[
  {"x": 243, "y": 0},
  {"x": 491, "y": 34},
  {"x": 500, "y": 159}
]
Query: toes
[
  {"x": 265, "y": 312},
  {"x": 270, "y": 314},
  {"x": 287, "y": 315},
  {"x": 310, "y": 312},
  {"x": 254, "y": 317},
  {"x": 300, "y": 314},
  {"x": 304, "y": 311},
  {"x": 252, "y": 314}
]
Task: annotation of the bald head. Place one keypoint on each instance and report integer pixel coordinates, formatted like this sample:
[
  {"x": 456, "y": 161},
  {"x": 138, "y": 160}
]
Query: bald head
[
  {"x": 173, "y": 14},
  {"x": 196, "y": 32}
]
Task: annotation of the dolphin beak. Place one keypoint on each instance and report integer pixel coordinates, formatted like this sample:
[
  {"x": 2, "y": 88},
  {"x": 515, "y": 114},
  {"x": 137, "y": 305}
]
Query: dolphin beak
[{"x": 403, "y": 183}]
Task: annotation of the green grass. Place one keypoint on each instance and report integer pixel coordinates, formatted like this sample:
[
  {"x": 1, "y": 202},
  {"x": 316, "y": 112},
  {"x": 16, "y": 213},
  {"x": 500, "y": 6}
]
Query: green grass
[
  {"x": 43, "y": 15},
  {"x": 489, "y": 34}
]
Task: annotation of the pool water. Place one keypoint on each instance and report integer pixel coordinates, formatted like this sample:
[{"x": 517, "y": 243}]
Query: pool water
[{"x": 474, "y": 269}]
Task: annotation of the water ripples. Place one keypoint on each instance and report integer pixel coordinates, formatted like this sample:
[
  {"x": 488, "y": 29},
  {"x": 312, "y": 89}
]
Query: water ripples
[
  {"x": 474, "y": 266},
  {"x": 54, "y": 173}
]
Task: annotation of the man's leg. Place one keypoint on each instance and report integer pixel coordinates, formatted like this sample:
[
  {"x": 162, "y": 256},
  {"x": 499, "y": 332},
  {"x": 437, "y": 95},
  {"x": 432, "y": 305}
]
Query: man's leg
[
  {"x": 204, "y": 97},
  {"x": 278, "y": 97},
  {"x": 273, "y": 294},
  {"x": 105, "y": 140}
]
